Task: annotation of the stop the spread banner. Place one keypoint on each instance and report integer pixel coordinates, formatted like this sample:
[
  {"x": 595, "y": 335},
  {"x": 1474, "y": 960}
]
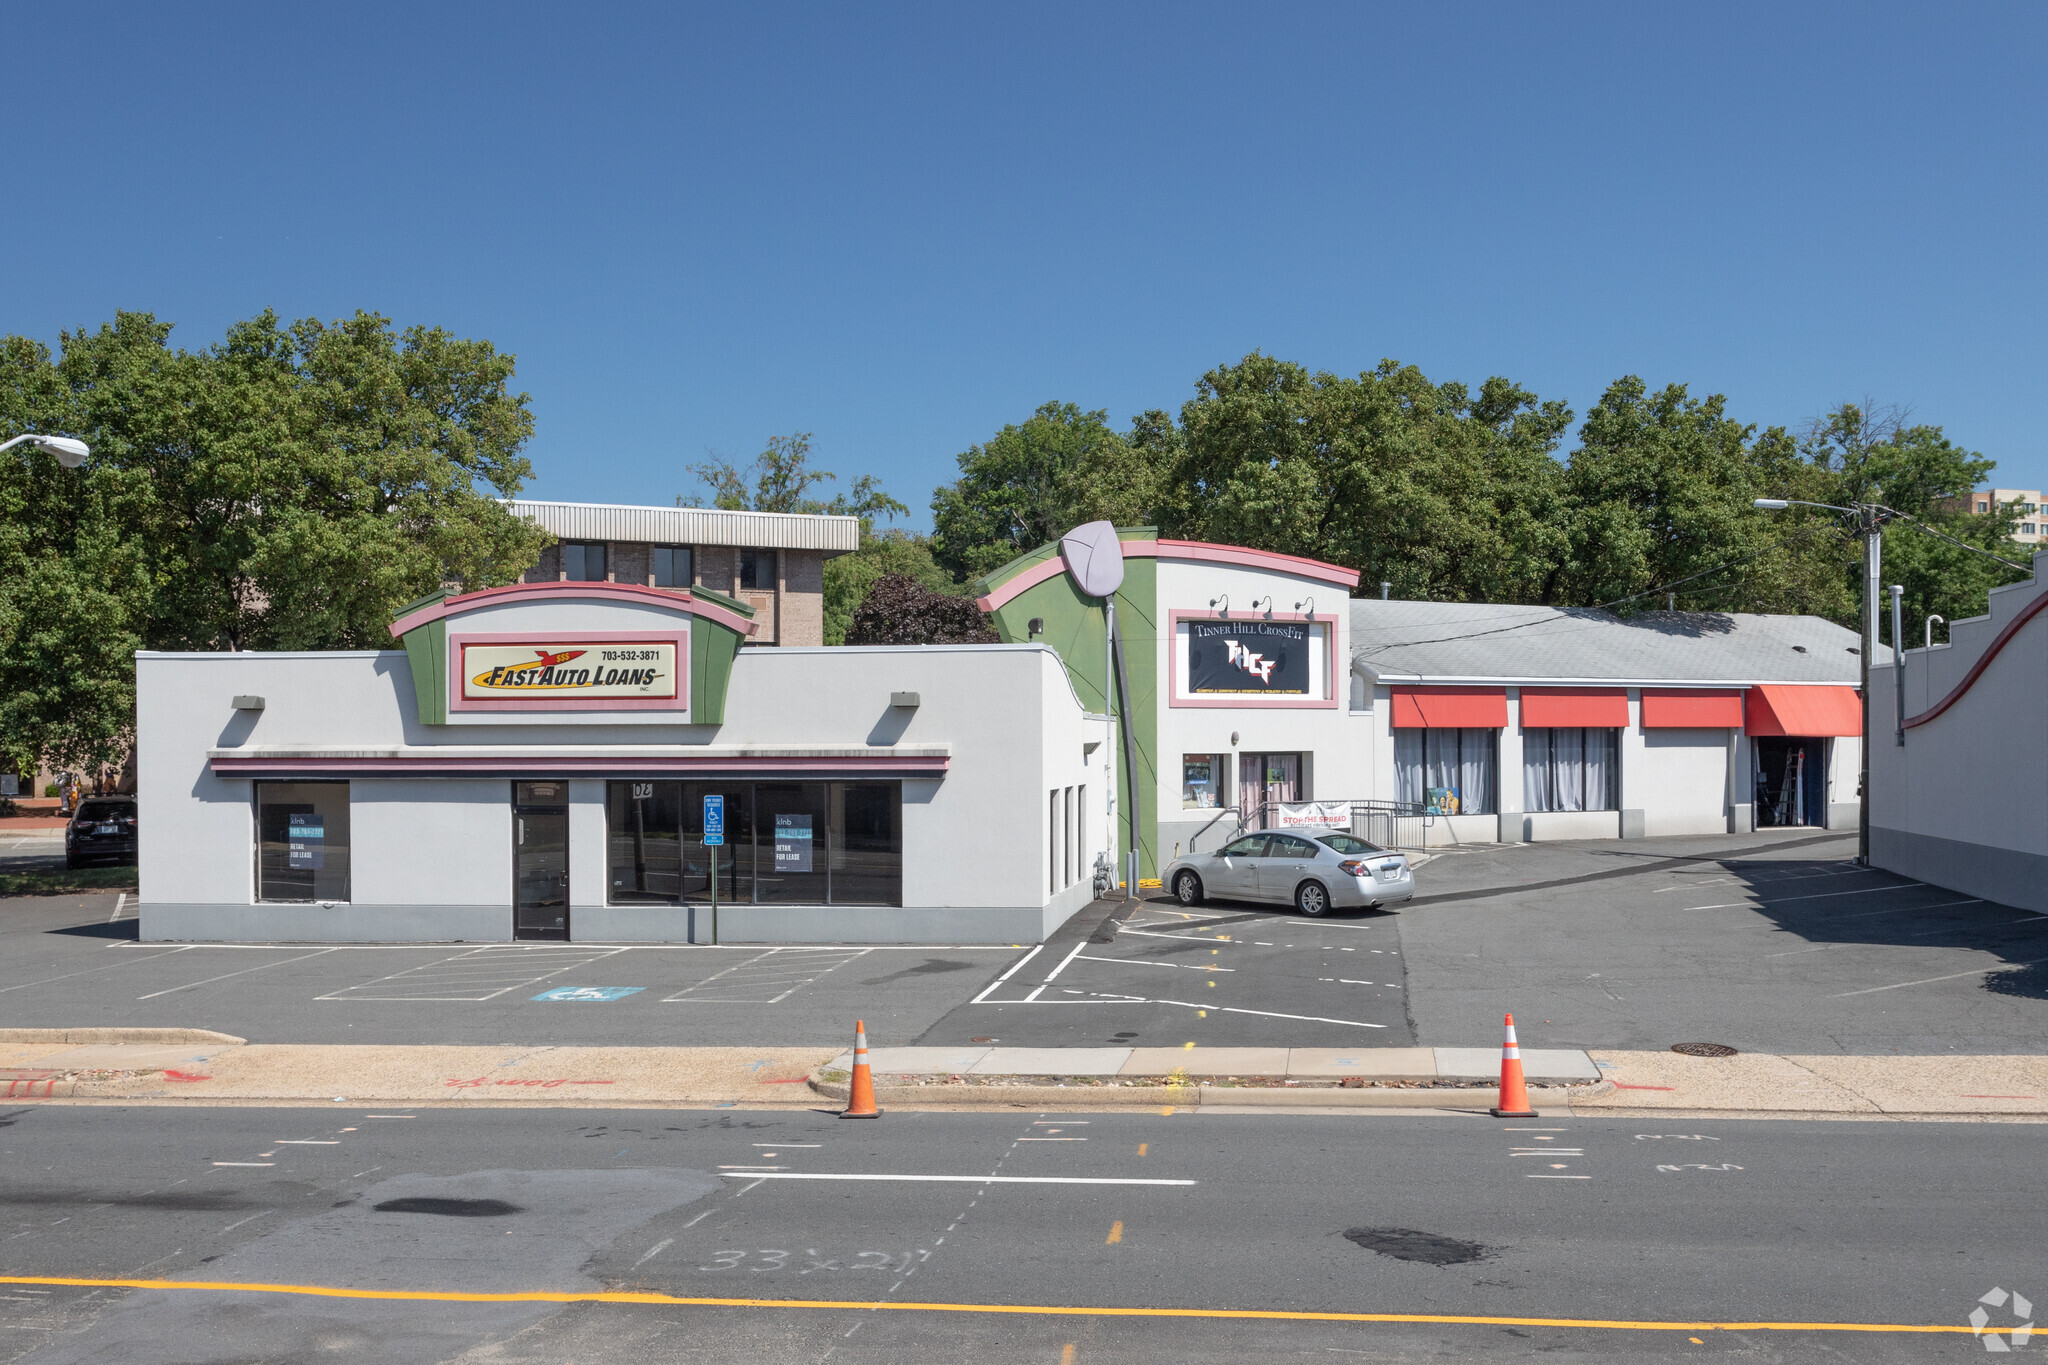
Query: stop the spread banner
[
  {"x": 569, "y": 670},
  {"x": 1259, "y": 658}
]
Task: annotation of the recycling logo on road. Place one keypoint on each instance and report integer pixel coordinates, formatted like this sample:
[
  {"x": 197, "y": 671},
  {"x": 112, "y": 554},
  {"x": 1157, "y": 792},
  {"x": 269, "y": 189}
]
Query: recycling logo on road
[{"x": 1980, "y": 1320}]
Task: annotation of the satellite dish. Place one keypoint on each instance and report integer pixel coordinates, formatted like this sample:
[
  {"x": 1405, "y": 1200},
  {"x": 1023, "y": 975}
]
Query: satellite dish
[{"x": 1095, "y": 558}]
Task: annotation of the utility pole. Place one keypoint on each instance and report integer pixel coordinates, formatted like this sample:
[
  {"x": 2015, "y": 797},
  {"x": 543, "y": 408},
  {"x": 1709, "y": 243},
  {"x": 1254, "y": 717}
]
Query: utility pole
[{"x": 1870, "y": 518}]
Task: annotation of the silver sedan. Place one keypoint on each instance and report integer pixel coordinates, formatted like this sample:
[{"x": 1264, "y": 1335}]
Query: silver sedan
[{"x": 1313, "y": 872}]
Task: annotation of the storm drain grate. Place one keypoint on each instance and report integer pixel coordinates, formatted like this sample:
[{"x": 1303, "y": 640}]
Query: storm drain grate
[{"x": 1704, "y": 1049}]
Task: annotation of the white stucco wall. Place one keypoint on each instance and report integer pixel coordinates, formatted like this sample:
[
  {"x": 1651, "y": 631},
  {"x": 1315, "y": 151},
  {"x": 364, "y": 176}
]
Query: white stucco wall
[{"x": 1964, "y": 803}]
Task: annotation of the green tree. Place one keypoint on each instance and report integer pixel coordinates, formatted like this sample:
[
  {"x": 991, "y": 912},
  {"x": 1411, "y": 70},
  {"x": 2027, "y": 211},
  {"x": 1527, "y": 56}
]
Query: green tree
[
  {"x": 1441, "y": 493},
  {"x": 286, "y": 488},
  {"x": 850, "y": 577},
  {"x": 1034, "y": 481},
  {"x": 780, "y": 478},
  {"x": 1862, "y": 452},
  {"x": 1659, "y": 493}
]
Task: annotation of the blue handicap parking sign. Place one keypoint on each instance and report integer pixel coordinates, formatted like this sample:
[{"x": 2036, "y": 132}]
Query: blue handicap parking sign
[
  {"x": 589, "y": 992},
  {"x": 714, "y": 821}
]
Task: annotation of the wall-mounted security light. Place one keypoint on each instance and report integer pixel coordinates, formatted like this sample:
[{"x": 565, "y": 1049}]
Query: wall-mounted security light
[
  {"x": 906, "y": 701},
  {"x": 248, "y": 703},
  {"x": 1233, "y": 739},
  {"x": 1221, "y": 604},
  {"x": 1034, "y": 628},
  {"x": 1308, "y": 602},
  {"x": 1268, "y": 600}
]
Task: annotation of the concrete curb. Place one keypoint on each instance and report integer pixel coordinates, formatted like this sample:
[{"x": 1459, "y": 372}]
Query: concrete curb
[
  {"x": 165, "y": 1036},
  {"x": 1198, "y": 1096}
]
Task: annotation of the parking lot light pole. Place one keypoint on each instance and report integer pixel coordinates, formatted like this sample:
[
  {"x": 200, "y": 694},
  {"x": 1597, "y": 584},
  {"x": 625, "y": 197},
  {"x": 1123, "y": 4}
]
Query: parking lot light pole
[
  {"x": 70, "y": 451},
  {"x": 1870, "y": 520}
]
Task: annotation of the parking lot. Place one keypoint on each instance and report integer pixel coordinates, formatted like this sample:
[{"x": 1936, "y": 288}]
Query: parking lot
[{"x": 1771, "y": 943}]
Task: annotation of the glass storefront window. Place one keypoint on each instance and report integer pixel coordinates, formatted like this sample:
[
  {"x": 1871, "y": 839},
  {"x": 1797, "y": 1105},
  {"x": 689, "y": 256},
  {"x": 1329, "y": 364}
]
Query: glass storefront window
[
  {"x": 643, "y": 822},
  {"x": 302, "y": 841},
  {"x": 786, "y": 843},
  {"x": 1201, "y": 781}
]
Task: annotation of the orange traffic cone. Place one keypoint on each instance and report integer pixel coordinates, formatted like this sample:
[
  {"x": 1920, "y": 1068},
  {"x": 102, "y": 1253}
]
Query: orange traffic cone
[
  {"x": 860, "y": 1096},
  {"x": 1514, "y": 1094}
]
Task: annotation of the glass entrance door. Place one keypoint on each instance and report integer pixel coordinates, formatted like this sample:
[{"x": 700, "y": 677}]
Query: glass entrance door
[
  {"x": 540, "y": 860},
  {"x": 1266, "y": 778}
]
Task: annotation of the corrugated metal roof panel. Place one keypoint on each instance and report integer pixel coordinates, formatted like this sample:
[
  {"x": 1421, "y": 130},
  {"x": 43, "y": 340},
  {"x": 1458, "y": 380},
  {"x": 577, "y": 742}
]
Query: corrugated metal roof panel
[
  {"x": 693, "y": 526},
  {"x": 1493, "y": 641}
]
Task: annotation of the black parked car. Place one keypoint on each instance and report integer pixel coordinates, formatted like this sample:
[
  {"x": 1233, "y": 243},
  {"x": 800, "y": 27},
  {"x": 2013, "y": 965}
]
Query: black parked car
[{"x": 102, "y": 828}]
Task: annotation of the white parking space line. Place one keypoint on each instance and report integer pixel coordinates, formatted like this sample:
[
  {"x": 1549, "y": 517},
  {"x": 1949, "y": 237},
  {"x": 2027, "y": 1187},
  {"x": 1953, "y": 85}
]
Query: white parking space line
[
  {"x": 22, "y": 986},
  {"x": 767, "y": 979},
  {"x": 475, "y": 976},
  {"x": 1930, "y": 980},
  {"x": 1141, "y": 962},
  {"x": 1035, "y": 951},
  {"x": 1817, "y": 896},
  {"x": 261, "y": 967}
]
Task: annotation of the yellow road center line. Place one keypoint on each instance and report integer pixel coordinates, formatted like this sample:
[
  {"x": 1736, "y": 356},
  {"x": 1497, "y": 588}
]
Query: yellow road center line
[
  {"x": 1116, "y": 1233},
  {"x": 1141, "y": 1148},
  {"x": 1015, "y": 1309}
]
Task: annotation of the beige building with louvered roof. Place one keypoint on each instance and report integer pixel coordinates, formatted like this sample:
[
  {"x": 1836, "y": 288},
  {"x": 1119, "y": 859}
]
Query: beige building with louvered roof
[{"x": 772, "y": 561}]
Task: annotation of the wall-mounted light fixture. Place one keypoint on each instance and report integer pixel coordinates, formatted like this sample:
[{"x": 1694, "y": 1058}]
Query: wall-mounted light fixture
[
  {"x": 1268, "y": 600},
  {"x": 248, "y": 703},
  {"x": 1221, "y": 603},
  {"x": 1034, "y": 628},
  {"x": 1308, "y": 602},
  {"x": 1233, "y": 739}
]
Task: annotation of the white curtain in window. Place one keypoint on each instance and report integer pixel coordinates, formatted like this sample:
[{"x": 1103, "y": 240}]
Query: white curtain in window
[
  {"x": 1477, "y": 751},
  {"x": 1408, "y": 765},
  {"x": 1570, "y": 769},
  {"x": 1602, "y": 768},
  {"x": 1538, "y": 791},
  {"x": 1462, "y": 761}
]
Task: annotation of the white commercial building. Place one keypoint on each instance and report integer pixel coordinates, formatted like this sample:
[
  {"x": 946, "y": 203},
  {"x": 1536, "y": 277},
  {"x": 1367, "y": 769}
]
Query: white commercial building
[
  {"x": 1519, "y": 722},
  {"x": 535, "y": 763}
]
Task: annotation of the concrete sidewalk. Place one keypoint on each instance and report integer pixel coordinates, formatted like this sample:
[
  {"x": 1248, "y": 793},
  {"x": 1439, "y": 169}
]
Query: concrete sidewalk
[{"x": 196, "y": 1067}]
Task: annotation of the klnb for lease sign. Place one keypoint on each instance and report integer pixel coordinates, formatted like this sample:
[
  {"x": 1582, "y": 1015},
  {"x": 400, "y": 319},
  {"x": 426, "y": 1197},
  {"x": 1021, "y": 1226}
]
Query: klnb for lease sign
[{"x": 497, "y": 672}]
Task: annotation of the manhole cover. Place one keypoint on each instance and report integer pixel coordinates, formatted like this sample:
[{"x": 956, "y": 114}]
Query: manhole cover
[
  {"x": 1704, "y": 1049},
  {"x": 1406, "y": 1244}
]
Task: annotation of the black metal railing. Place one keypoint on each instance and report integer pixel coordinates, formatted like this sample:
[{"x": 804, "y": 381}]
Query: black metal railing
[{"x": 1390, "y": 824}]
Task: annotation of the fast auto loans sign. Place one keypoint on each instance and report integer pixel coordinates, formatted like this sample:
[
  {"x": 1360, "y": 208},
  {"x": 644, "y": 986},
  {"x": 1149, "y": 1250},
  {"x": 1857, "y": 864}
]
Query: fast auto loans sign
[
  {"x": 1255, "y": 658},
  {"x": 594, "y": 672}
]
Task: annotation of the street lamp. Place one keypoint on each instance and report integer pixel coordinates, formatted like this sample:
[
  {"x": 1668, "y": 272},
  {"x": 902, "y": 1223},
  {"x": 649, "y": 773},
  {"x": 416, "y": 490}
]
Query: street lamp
[
  {"x": 69, "y": 451},
  {"x": 1870, "y": 520}
]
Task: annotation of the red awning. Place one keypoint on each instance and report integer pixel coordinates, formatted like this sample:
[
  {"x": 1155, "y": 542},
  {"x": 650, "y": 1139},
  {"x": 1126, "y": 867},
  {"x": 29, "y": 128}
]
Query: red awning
[
  {"x": 1692, "y": 708},
  {"x": 1804, "y": 711},
  {"x": 1450, "y": 708},
  {"x": 1596, "y": 707}
]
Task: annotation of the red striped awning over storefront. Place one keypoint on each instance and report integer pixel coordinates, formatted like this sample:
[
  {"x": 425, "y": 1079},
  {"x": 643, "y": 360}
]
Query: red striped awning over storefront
[
  {"x": 1593, "y": 707},
  {"x": 1804, "y": 711},
  {"x": 1450, "y": 708},
  {"x": 1692, "y": 708}
]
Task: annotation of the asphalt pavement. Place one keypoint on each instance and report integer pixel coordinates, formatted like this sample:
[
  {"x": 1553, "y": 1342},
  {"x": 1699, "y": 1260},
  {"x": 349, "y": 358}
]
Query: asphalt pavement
[
  {"x": 1771, "y": 943},
  {"x": 1129, "y": 1237}
]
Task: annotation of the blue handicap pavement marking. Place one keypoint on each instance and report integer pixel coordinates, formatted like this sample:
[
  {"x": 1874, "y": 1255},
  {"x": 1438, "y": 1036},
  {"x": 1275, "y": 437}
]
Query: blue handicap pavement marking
[{"x": 589, "y": 992}]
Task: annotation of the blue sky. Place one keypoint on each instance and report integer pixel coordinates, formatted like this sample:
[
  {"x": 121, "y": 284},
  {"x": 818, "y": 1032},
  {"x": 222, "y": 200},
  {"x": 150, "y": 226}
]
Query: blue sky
[{"x": 901, "y": 227}]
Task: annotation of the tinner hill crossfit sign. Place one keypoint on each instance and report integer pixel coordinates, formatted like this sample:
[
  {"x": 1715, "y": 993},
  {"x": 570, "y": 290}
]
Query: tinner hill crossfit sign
[
  {"x": 1258, "y": 658},
  {"x": 575, "y": 670}
]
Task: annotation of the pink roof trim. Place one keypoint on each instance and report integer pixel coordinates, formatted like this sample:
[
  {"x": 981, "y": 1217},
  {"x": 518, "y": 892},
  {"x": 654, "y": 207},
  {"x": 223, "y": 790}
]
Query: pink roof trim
[
  {"x": 1182, "y": 549},
  {"x": 617, "y": 592}
]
